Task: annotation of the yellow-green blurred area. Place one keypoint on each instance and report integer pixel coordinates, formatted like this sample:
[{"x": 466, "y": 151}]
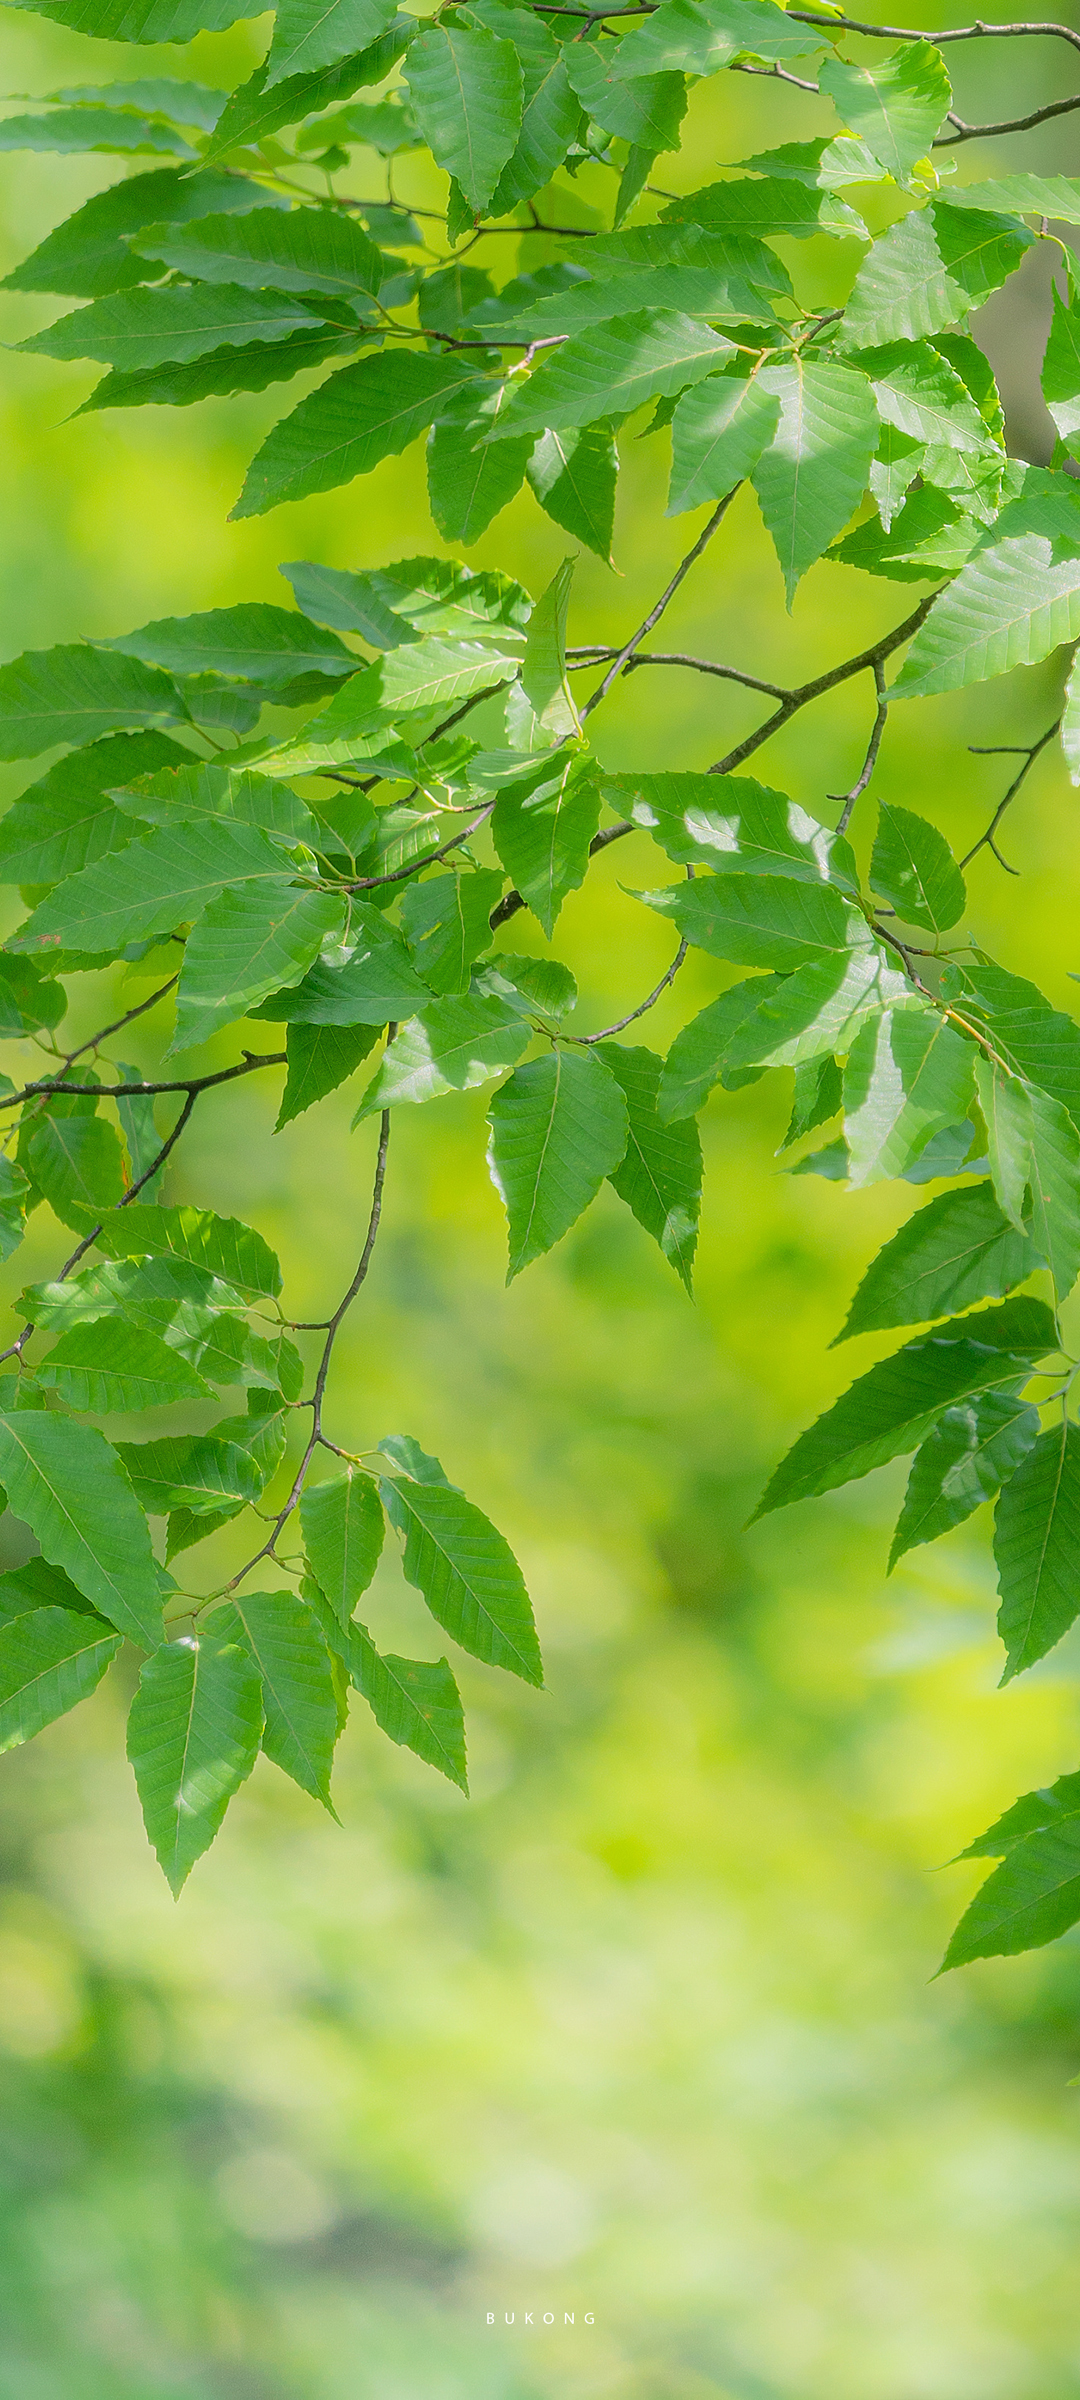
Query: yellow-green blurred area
[{"x": 644, "y": 2032}]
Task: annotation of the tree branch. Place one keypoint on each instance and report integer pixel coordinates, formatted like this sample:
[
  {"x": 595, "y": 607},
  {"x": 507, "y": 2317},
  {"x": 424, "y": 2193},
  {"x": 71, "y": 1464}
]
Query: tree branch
[
  {"x": 511, "y": 901},
  {"x": 874, "y": 745},
  {"x": 142, "y": 1091},
  {"x": 977, "y": 133},
  {"x": 803, "y": 693},
  {"x": 979, "y": 31},
  {"x": 623, "y": 656},
  {"x": 987, "y": 841},
  {"x": 586, "y": 1040}
]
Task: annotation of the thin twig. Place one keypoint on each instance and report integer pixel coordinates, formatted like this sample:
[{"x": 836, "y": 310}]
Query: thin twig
[
  {"x": 622, "y": 658},
  {"x": 979, "y": 31},
  {"x": 987, "y": 841},
  {"x": 870, "y": 761},
  {"x": 316, "y": 1402},
  {"x": 579, "y": 659},
  {"x": 978, "y": 133},
  {"x": 134, "y": 1189},
  {"x": 511, "y": 901},
  {"x": 586, "y": 1040},
  {"x": 120, "y": 1023},
  {"x": 367, "y": 883},
  {"x": 143, "y": 1091},
  {"x": 803, "y": 693}
]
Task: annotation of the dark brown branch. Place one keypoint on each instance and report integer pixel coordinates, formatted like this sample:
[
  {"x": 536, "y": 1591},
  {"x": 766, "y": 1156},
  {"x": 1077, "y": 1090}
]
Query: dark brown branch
[
  {"x": 333, "y": 1327},
  {"x": 978, "y": 133},
  {"x": 803, "y": 693},
  {"x": 987, "y": 840},
  {"x": 143, "y": 1091},
  {"x": 621, "y": 660}
]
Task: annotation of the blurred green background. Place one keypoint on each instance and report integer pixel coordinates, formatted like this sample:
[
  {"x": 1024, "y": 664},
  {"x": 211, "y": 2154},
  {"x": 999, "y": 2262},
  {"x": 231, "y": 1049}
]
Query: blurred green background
[{"x": 645, "y": 2031}]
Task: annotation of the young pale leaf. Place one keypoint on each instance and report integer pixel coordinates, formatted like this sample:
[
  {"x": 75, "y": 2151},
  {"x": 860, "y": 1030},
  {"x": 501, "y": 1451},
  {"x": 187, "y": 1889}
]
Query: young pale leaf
[
  {"x": 446, "y": 925},
  {"x": 660, "y": 1174},
  {"x": 193, "y": 1738},
  {"x": 50, "y": 1658},
  {"x": 929, "y": 269},
  {"x": 574, "y": 474},
  {"x": 813, "y": 475},
  {"x": 610, "y": 369},
  {"x": 138, "y": 330},
  {"x": 221, "y": 1245},
  {"x": 280, "y": 1636},
  {"x": 343, "y": 1532},
  {"x": 367, "y": 412},
  {"x": 321, "y": 1057},
  {"x": 111, "y": 1365},
  {"x": 528, "y": 985},
  {"x": 1027, "y": 195},
  {"x": 756, "y": 920},
  {"x": 467, "y": 1573},
  {"x": 914, "y": 869},
  {"x": 891, "y": 1409},
  {"x": 309, "y": 34},
  {"x": 967, "y": 1458},
  {"x": 1029, "y": 1900},
  {"x": 66, "y": 1483},
  {"x": 73, "y": 693},
  {"x": 468, "y": 94},
  {"x": 1037, "y": 1548},
  {"x": 894, "y": 106},
  {"x": 957, "y": 1249},
  {"x": 543, "y": 838},
  {"x": 558, "y": 1127},
  {"x": 455, "y": 1045},
  {"x": 718, "y": 433},
  {"x": 248, "y": 943},
  {"x": 908, "y": 1077},
  {"x": 543, "y": 666},
  {"x": 162, "y": 880}
]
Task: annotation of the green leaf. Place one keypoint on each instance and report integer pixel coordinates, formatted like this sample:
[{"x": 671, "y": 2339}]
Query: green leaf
[
  {"x": 72, "y": 693},
  {"x": 333, "y": 597},
  {"x": 967, "y": 1458},
  {"x": 280, "y": 1636},
  {"x": 252, "y": 111},
  {"x": 454, "y": 1046},
  {"x": 272, "y": 646},
  {"x": 428, "y": 674},
  {"x": 957, "y": 1249},
  {"x": 66, "y": 1483},
  {"x": 88, "y": 255},
  {"x": 67, "y": 819},
  {"x": 112, "y": 1365},
  {"x": 765, "y": 208},
  {"x": 196, "y": 104},
  {"x": 610, "y": 369},
  {"x": 321, "y": 1057},
  {"x": 222, "y": 1245},
  {"x": 543, "y": 836},
  {"x": 206, "y": 793},
  {"x": 1037, "y": 1548},
  {"x": 309, "y": 34},
  {"x": 719, "y": 431},
  {"x": 698, "y": 1055},
  {"x": 197, "y": 1471},
  {"x": 88, "y": 129},
  {"x": 1034, "y": 1147},
  {"x": 50, "y": 1659},
  {"x": 376, "y": 983},
  {"x": 1027, "y": 195},
  {"x": 1036, "y": 1812},
  {"x": 919, "y": 393},
  {"x": 908, "y": 1077},
  {"x": 817, "y": 1096},
  {"x": 894, "y": 106},
  {"x": 419, "y": 1464},
  {"x": 38, "y": 1585},
  {"x": 1061, "y": 370},
  {"x": 343, "y": 1534},
  {"x": 469, "y": 478},
  {"x": 543, "y": 667},
  {"x": 154, "y": 328},
  {"x": 891, "y": 1409},
  {"x": 279, "y": 249},
  {"x": 466, "y": 1572},
  {"x": 1029, "y": 1900},
  {"x": 755, "y": 920},
  {"x": 645, "y": 110},
  {"x": 573, "y": 475},
  {"x": 929, "y": 269},
  {"x": 193, "y": 1738},
  {"x": 161, "y": 881},
  {"x": 914, "y": 869},
  {"x": 140, "y": 20},
  {"x": 367, "y": 412},
  {"x": 442, "y": 596},
  {"x": 528, "y": 985},
  {"x": 813, "y": 475},
  {"x": 467, "y": 91},
  {"x": 558, "y": 1127},
  {"x": 76, "y": 1163},
  {"x": 734, "y": 825},
  {"x": 445, "y": 922},
  {"x": 248, "y": 368},
  {"x": 15, "y": 1193},
  {"x": 415, "y": 1701},
  {"x": 817, "y": 1010},
  {"x": 702, "y": 35},
  {"x": 247, "y": 944},
  {"x": 660, "y": 1174},
  {"x": 1010, "y": 606},
  {"x": 551, "y": 112},
  {"x": 1040, "y": 1042}
]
